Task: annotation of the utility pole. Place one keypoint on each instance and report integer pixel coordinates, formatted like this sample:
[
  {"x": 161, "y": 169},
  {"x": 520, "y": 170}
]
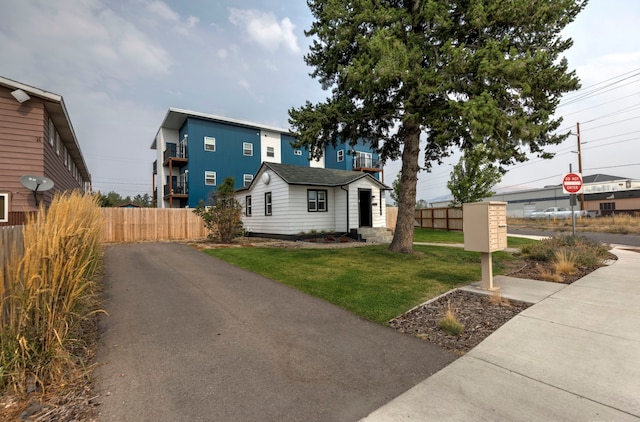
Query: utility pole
[{"x": 580, "y": 166}]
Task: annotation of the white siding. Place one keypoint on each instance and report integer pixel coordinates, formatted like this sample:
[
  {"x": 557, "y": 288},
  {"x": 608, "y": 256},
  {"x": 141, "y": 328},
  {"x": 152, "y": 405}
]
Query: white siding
[
  {"x": 164, "y": 136},
  {"x": 319, "y": 163},
  {"x": 279, "y": 218},
  {"x": 270, "y": 139},
  {"x": 290, "y": 215}
]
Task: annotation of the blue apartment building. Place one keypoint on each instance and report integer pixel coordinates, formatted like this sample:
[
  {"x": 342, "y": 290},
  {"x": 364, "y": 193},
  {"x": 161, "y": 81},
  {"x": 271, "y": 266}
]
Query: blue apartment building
[{"x": 197, "y": 151}]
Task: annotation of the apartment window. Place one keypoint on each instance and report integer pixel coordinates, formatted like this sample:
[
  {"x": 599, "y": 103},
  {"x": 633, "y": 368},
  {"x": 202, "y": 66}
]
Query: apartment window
[
  {"x": 247, "y": 205},
  {"x": 316, "y": 200},
  {"x": 248, "y": 178},
  {"x": 209, "y": 144},
  {"x": 247, "y": 149},
  {"x": 210, "y": 178},
  {"x": 57, "y": 143},
  {"x": 66, "y": 155},
  {"x": 4, "y": 207},
  {"x": 52, "y": 133},
  {"x": 267, "y": 203},
  {"x": 271, "y": 152},
  {"x": 297, "y": 152},
  {"x": 340, "y": 155}
]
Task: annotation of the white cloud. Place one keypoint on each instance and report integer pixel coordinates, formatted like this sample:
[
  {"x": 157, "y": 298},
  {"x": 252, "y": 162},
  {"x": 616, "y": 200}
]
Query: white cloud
[
  {"x": 160, "y": 9},
  {"x": 223, "y": 54},
  {"x": 264, "y": 28}
]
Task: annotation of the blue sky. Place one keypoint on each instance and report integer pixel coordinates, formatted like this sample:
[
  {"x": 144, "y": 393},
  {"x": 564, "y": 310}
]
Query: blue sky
[{"x": 121, "y": 64}]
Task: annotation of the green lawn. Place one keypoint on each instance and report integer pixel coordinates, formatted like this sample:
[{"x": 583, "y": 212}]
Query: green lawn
[
  {"x": 442, "y": 236},
  {"x": 368, "y": 281}
]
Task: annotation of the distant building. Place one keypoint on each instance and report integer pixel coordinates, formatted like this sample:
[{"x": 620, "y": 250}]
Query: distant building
[
  {"x": 36, "y": 138},
  {"x": 197, "y": 151},
  {"x": 605, "y": 193}
]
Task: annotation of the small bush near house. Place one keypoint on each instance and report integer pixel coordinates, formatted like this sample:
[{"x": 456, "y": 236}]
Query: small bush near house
[
  {"x": 48, "y": 294},
  {"x": 222, "y": 219}
]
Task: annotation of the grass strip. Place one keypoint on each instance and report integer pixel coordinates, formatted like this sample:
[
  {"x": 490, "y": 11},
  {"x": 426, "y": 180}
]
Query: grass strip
[{"x": 368, "y": 281}]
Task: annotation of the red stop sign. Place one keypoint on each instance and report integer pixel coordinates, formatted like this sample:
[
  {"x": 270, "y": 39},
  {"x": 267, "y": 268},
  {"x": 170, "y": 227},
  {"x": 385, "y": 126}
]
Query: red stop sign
[{"x": 572, "y": 183}]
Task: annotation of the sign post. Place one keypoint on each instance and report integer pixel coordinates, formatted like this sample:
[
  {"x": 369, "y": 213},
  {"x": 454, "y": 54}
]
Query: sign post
[{"x": 572, "y": 185}]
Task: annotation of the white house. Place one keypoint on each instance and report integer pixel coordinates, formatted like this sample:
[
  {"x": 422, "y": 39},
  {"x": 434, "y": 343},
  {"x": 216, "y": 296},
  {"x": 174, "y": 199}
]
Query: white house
[{"x": 288, "y": 200}]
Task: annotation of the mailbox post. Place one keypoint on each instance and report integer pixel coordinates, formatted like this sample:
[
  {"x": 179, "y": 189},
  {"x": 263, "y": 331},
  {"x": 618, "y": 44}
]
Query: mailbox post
[{"x": 485, "y": 230}]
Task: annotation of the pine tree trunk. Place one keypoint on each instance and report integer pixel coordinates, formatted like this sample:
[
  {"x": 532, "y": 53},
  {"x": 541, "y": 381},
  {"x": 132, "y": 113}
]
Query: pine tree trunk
[{"x": 403, "y": 237}]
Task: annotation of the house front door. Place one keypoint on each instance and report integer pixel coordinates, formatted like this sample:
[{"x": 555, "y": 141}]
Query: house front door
[{"x": 364, "y": 208}]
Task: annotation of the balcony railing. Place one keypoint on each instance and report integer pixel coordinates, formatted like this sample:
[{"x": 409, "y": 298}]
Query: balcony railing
[
  {"x": 178, "y": 150},
  {"x": 178, "y": 189},
  {"x": 363, "y": 161}
]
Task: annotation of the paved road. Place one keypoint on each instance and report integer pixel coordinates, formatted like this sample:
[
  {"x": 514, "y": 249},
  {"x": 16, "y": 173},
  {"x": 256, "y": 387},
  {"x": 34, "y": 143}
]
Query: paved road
[
  {"x": 611, "y": 238},
  {"x": 189, "y": 337}
]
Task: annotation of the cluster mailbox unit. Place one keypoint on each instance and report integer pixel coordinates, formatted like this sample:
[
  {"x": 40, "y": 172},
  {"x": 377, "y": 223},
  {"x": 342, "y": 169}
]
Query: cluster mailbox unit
[{"x": 485, "y": 231}]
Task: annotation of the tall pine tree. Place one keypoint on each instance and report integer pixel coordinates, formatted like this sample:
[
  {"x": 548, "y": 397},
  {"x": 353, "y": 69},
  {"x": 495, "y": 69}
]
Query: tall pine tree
[{"x": 458, "y": 72}]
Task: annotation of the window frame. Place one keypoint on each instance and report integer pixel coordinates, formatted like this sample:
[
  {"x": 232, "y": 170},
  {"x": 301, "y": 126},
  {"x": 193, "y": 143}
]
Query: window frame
[
  {"x": 57, "y": 143},
  {"x": 268, "y": 204},
  {"x": 247, "y": 206},
  {"x": 4, "y": 216},
  {"x": 271, "y": 151},
  {"x": 52, "y": 133},
  {"x": 207, "y": 176},
  {"x": 247, "y": 179},
  {"x": 247, "y": 149},
  {"x": 209, "y": 138},
  {"x": 313, "y": 204},
  {"x": 340, "y": 155}
]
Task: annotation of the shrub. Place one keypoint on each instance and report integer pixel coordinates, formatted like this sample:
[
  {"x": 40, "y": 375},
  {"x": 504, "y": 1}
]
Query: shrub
[
  {"x": 565, "y": 262},
  {"x": 449, "y": 323},
  {"x": 222, "y": 220},
  {"x": 48, "y": 293},
  {"x": 586, "y": 252}
]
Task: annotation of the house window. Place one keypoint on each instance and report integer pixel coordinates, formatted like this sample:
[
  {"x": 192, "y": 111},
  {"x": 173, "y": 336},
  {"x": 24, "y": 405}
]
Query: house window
[
  {"x": 52, "y": 133},
  {"x": 607, "y": 206},
  {"x": 248, "y": 178},
  {"x": 271, "y": 152},
  {"x": 209, "y": 144},
  {"x": 340, "y": 155},
  {"x": 317, "y": 200},
  {"x": 57, "y": 143},
  {"x": 66, "y": 155},
  {"x": 247, "y": 205},
  {"x": 297, "y": 152},
  {"x": 267, "y": 204},
  {"x": 4, "y": 207},
  {"x": 210, "y": 178},
  {"x": 247, "y": 149}
]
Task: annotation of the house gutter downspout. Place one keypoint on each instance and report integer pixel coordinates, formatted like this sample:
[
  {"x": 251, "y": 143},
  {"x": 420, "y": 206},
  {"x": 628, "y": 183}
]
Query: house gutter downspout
[{"x": 347, "y": 191}]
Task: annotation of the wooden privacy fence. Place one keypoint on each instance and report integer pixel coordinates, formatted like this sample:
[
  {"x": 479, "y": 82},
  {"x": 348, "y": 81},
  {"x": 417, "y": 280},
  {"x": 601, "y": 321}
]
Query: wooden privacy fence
[
  {"x": 439, "y": 218},
  {"x": 11, "y": 249},
  {"x": 125, "y": 225},
  {"x": 431, "y": 218}
]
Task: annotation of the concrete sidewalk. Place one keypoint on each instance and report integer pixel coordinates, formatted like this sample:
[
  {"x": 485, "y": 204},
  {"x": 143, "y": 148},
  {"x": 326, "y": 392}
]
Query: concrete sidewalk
[{"x": 575, "y": 355}]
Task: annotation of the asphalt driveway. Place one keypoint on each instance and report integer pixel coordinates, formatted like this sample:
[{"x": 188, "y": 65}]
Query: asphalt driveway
[{"x": 189, "y": 337}]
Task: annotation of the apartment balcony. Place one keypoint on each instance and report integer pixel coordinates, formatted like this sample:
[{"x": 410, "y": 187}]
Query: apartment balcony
[
  {"x": 367, "y": 164},
  {"x": 175, "y": 155},
  {"x": 176, "y": 190}
]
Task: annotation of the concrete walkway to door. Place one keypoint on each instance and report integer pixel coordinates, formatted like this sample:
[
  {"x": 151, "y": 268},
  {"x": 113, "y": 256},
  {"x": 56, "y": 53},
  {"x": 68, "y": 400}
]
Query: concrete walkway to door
[{"x": 189, "y": 337}]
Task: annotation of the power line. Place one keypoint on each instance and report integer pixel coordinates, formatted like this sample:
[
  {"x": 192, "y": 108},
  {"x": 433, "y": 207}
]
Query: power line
[
  {"x": 601, "y": 82},
  {"x": 609, "y": 124}
]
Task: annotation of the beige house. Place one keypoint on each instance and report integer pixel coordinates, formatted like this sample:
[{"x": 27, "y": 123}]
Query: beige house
[{"x": 36, "y": 138}]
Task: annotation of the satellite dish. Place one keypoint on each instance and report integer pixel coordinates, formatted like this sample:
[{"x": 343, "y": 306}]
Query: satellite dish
[{"x": 36, "y": 184}]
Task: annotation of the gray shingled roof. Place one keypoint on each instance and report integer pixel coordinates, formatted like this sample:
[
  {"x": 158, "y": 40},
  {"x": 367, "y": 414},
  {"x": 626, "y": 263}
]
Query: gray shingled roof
[{"x": 299, "y": 175}]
